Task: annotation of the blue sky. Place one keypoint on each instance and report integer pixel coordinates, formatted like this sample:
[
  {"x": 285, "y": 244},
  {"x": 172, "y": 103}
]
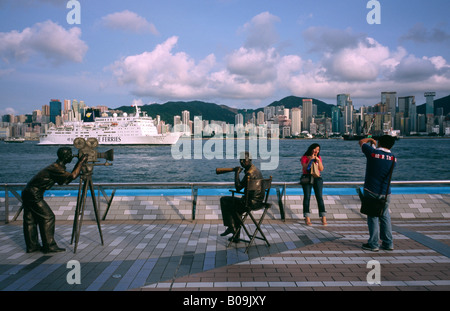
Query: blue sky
[{"x": 244, "y": 53}]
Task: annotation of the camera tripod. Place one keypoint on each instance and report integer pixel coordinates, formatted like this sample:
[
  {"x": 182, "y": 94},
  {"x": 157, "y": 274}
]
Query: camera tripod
[{"x": 85, "y": 182}]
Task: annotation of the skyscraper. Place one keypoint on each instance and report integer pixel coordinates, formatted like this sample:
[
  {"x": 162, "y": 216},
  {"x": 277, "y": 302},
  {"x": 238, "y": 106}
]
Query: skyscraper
[
  {"x": 55, "y": 110},
  {"x": 345, "y": 104},
  {"x": 407, "y": 109},
  {"x": 296, "y": 121},
  {"x": 239, "y": 119},
  {"x": 185, "y": 119},
  {"x": 429, "y": 111},
  {"x": 307, "y": 113},
  {"x": 430, "y": 102},
  {"x": 390, "y": 100},
  {"x": 335, "y": 119},
  {"x": 260, "y": 118}
]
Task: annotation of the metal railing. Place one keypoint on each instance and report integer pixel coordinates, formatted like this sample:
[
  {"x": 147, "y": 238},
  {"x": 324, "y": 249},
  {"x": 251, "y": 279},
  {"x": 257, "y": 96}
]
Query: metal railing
[{"x": 280, "y": 188}]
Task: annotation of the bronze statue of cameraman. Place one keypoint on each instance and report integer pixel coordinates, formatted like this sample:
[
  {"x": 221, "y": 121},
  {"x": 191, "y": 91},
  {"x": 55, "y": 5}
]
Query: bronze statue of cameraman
[
  {"x": 232, "y": 207},
  {"x": 37, "y": 213}
]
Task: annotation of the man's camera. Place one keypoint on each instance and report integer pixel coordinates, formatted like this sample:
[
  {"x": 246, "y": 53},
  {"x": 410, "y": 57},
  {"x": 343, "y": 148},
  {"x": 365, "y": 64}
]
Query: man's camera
[{"x": 89, "y": 147}]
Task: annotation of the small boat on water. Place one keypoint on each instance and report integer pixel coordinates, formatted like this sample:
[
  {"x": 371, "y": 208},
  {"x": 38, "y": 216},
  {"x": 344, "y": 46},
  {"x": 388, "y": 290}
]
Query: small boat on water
[{"x": 14, "y": 140}]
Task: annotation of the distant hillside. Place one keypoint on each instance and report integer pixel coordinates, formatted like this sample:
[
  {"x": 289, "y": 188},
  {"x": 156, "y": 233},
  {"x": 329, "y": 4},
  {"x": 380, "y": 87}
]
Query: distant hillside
[
  {"x": 294, "y": 101},
  {"x": 208, "y": 111},
  {"x": 211, "y": 111},
  {"x": 443, "y": 102}
]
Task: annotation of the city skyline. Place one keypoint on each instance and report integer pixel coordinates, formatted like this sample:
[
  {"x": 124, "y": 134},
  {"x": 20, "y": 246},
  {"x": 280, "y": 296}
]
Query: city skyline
[
  {"x": 382, "y": 100},
  {"x": 393, "y": 113},
  {"x": 248, "y": 56}
]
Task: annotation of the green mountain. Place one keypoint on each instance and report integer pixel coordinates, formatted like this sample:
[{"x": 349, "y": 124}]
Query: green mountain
[
  {"x": 294, "y": 102},
  {"x": 211, "y": 111},
  {"x": 208, "y": 111}
]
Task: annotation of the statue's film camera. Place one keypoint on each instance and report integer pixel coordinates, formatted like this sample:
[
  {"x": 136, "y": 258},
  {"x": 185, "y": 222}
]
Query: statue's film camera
[{"x": 89, "y": 147}]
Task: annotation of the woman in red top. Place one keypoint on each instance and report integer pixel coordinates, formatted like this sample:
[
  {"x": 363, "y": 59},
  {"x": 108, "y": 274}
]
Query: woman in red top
[{"x": 311, "y": 157}]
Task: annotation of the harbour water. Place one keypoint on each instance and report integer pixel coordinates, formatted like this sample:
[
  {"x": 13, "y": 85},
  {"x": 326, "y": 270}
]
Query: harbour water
[{"x": 418, "y": 159}]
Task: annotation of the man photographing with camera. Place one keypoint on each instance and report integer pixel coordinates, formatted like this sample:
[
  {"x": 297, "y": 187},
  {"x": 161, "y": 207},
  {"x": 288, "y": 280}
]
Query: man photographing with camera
[
  {"x": 379, "y": 167},
  {"x": 36, "y": 212}
]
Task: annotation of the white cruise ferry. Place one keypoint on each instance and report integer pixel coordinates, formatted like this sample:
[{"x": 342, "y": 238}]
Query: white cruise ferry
[{"x": 124, "y": 130}]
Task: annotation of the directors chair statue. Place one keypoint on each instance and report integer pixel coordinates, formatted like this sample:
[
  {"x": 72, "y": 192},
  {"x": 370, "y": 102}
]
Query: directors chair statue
[{"x": 252, "y": 185}]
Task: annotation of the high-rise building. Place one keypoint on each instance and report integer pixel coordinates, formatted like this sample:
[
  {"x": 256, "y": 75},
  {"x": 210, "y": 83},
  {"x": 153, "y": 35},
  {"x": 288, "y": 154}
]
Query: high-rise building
[
  {"x": 335, "y": 119},
  {"x": 269, "y": 112},
  {"x": 348, "y": 116},
  {"x": 286, "y": 112},
  {"x": 185, "y": 118},
  {"x": 296, "y": 121},
  {"x": 239, "y": 119},
  {"x": 345, "y": 104},
  {"x": 55, "y": 110},
  {"x": 260, "y": 118},
  {"x": 307, "y": 113},
  {"x": 67, "y": 105},
  {"x": 412, "y": 115},
  {"x": 429, "y": 106},
  {"x": 390, "y": 100},
  {"x": 342, "y": 99},
  {"x": 46, "y": 110},
  {"x": 407, "y": 109}
]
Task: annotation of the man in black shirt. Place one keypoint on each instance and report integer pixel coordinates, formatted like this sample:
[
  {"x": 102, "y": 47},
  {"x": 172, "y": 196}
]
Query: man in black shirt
[
  {"x": 36, "y": 212},
  {"x": 230, "y": 205}
]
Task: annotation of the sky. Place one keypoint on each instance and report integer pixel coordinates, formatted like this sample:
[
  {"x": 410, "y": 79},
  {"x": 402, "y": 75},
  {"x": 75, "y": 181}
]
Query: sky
[{"x": 244, "y": 54}]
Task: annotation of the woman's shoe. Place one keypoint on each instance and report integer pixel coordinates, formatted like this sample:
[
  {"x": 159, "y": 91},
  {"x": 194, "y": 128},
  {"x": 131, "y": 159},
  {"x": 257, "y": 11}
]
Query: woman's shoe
[
  {"x": 308, "y": 221},
  {"x": 324, "y": 221}
]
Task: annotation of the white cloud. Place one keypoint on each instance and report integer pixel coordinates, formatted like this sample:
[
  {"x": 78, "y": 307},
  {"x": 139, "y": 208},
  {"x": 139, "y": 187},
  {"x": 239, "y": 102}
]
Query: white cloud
[
  {"x": 347, "y": 62},
  {"x": 130, "y": 22},
  {"x": 256, "y": 66},
  {"x": 162, "y": 73},
  {"x": 47, "y": 39},
  {"x": 361, "y": 63},
  {"x": 330, "y": 40},
  {"x": 261, "y": 32},
  {"x": 8, "y": 110},
  {"x": 414, "y": 69},
  {"x": 419, "y": 34}
]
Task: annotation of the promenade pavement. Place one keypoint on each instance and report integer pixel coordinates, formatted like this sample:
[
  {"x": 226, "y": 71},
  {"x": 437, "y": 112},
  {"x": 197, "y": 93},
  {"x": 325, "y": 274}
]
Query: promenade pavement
[{"x": 190, "y": 255}]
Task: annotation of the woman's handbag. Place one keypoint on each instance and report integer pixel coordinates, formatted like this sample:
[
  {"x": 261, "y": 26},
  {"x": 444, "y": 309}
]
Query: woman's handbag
[
  {"x": 315, "y": 172},
  {"x": 306, "y": 179},
  {"x": 374, "y": 207}
]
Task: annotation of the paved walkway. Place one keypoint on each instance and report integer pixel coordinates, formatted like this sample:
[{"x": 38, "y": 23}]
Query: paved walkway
[{"x": 191, "y": 256}]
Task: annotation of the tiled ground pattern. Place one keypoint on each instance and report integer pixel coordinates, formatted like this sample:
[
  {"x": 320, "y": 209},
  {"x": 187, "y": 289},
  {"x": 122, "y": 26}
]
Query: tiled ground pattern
[
  {"x": 190, "y": 255},
  {"x": 146, "y": 208}
]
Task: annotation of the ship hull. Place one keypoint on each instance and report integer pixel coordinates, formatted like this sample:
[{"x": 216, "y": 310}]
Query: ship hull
[{"x": 167, "y": 139}]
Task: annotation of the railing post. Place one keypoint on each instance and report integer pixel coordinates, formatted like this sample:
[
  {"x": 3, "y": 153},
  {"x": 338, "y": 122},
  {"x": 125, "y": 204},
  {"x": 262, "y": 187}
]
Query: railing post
[
  {"x": 6, "y": 205},
  {"x": 284, "y": 203},
  {"x": 280, "y": 203},
  {"x": 194, "y": 193}
]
